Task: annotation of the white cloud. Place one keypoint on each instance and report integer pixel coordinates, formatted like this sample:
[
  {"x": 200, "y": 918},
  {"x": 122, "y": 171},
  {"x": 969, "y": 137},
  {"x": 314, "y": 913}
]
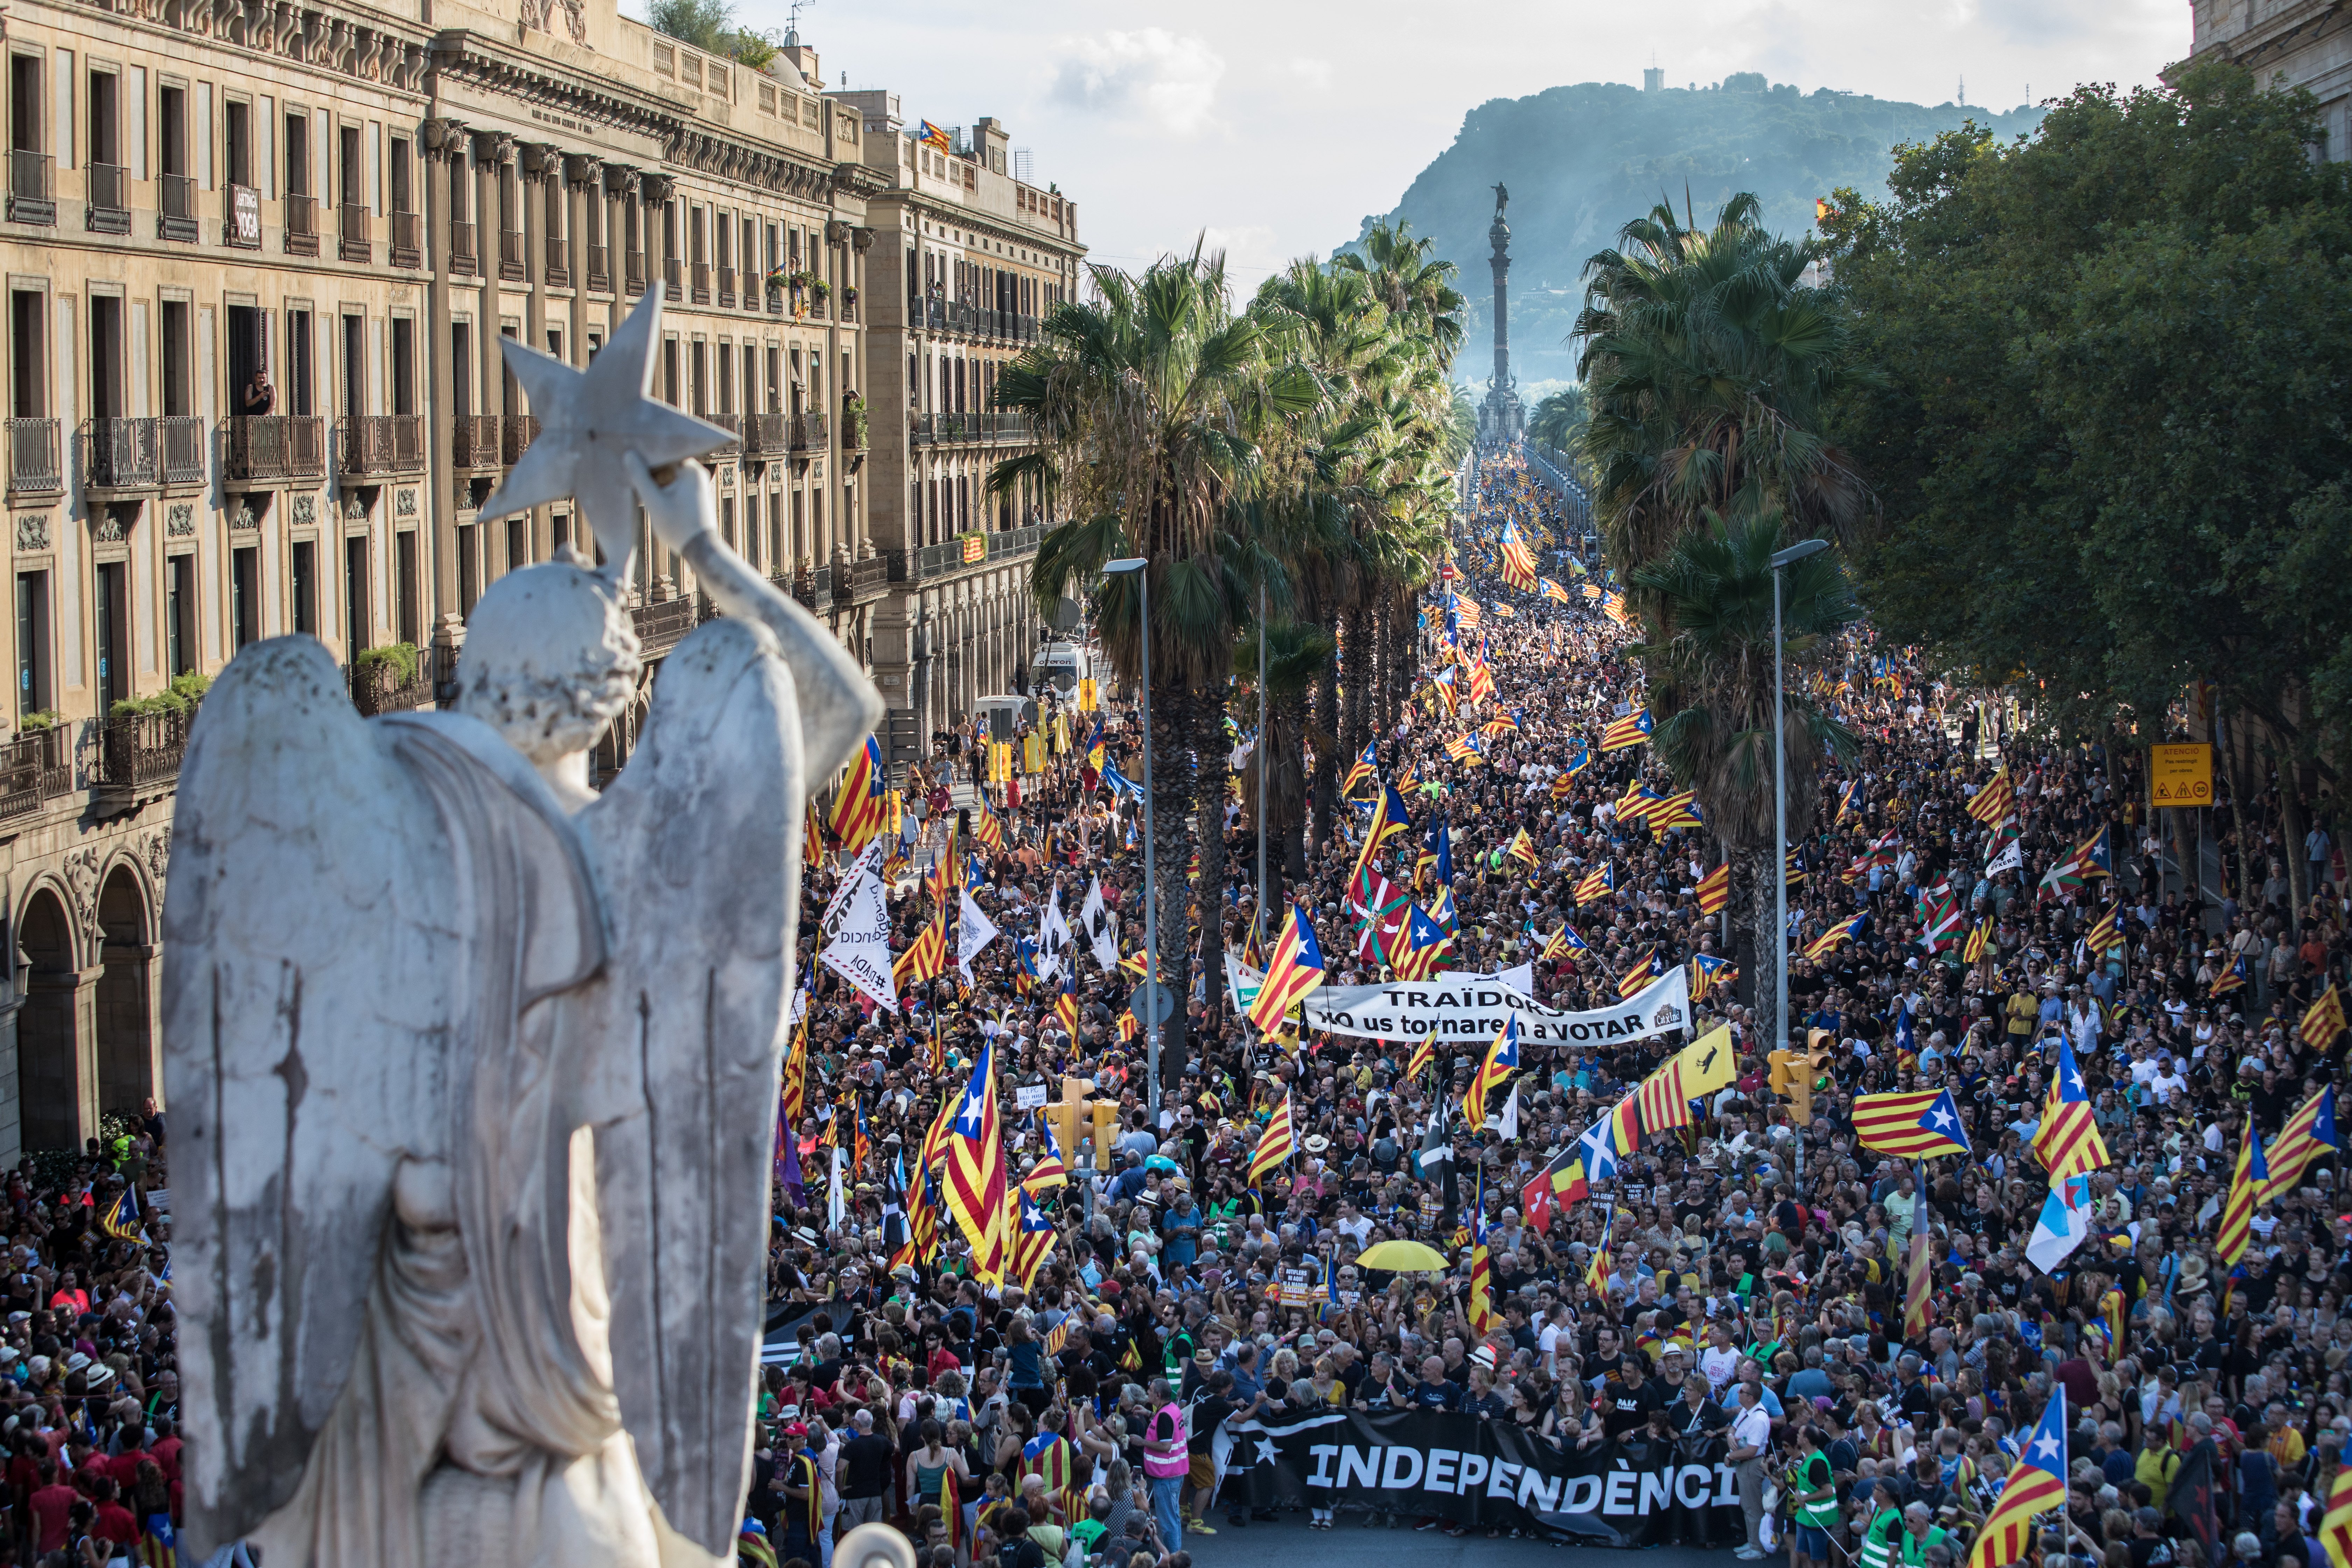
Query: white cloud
[
  {"x": 1170, "y": 80},
  {"x": 1315, "y": 74}
]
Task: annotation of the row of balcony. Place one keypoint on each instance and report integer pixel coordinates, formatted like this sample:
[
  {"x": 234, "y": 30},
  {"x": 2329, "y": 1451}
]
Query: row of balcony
[
  {"x": 971, "y": 552},
  {"x": 972, "y": 320},
  {"x": 32, "y": 199},
  {"x": 139, "y": 755},
  {"x": 990, "y": 428},
  {"x": 660, "y": 627},
  {"x": 167, "y": 451}
]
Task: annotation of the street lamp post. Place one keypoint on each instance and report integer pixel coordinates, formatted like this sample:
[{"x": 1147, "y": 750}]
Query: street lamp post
[
  {"x": 1136, "y": 563},
  {"x": 1795, "y": 552}
]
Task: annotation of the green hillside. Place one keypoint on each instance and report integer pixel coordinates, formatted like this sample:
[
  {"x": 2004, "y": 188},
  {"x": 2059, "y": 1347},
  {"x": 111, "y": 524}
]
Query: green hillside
[{"x": 1582, "y": 160}]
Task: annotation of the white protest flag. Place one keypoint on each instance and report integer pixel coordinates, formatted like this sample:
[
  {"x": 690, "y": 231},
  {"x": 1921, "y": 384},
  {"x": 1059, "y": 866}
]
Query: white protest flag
[
  {"x": 868, "y": 863},
  {"x": 1511, "y": 1117},
  {"x": 974, "y": 930},
  {"x": 2010, "y": 859},
  {"x": 2064, "y": 1223},
  {"x": 836, "y": 1200},
  {"x": 1093, "y": 917},
  {"x": 1055, "y": 940},
  {"x": 860, "y": 949}
]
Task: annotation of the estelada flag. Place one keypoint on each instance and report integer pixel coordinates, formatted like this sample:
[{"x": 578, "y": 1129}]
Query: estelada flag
[
  {"x": 1920, "y": 1125},
  {"x": 975, "y": 1171},
  {"x": 2309, "y": 1134},
  {"x": 1630, "y": 730},
  {"x": 1715, "y": 890},
  {"x": 1295, "y": 970},
  {"x": 2037, "y": 1483},
  {"x": 2323, "y": 1021}
]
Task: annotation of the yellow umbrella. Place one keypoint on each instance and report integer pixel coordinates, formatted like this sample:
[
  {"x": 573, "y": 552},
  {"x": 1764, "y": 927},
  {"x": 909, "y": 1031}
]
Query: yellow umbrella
[{"x": 1404, "y": 1258}]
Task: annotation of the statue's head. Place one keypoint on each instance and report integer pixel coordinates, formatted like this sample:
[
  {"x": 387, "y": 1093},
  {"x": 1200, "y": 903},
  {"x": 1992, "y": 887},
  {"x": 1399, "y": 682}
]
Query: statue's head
[{"x": 550, "y": 659}]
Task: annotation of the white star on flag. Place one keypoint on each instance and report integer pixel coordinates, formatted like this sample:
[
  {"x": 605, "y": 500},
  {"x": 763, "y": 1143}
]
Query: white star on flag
[{"x": 1266, "y": 1453}]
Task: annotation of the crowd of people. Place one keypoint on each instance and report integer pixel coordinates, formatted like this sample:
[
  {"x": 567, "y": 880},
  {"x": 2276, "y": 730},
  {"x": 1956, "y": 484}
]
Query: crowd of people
[
  {"x": 1744, "y": 1278},
  {"x": 88, "y": 1392}
]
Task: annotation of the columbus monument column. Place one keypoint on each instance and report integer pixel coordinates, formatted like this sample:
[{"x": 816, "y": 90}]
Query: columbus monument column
[{"x": 1503, "y": 418}]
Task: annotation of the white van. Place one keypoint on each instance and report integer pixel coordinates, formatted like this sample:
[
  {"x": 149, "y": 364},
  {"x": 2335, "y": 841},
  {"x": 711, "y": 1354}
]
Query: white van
[{"x": 1063, "y": 664}]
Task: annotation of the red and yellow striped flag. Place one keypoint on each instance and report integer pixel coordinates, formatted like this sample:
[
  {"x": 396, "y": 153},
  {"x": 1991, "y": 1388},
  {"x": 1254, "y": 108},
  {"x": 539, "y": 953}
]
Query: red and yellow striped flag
[
  {"x": 1274, "y": 1145},
  {"x": 2248, "y": 1186}
]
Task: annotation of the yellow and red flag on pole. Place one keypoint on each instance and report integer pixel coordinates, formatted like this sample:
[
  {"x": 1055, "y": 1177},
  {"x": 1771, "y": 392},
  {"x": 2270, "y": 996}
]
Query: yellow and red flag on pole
[
  {"x": 2336, "y": 1525},
  {"x": 2248, "y": 1186},
  {"x": 1630, "y": 730},
  {"x": 1295, "y": 970},
  {"x": 1992, "y": 803},
  {"x": 1276, "y": 1145},
  {"x": 1915, "y": 1314},
  {"x": 2037, "y": 1483},
  {"x": 2309, "y": 1134},
  {"x": 1715, "y": 890},
  {"x": 2323, "y": 1022},
  {"x": 858, "y": 808},
  {"x": 975, "y": 1171},
  {"x": 1502, "y": 1061}
]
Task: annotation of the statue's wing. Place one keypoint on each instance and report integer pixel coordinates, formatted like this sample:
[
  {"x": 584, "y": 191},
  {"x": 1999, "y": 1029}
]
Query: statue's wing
[
  {"x": 697, "y": 852},
  {"x": 304, "y": 1042}
]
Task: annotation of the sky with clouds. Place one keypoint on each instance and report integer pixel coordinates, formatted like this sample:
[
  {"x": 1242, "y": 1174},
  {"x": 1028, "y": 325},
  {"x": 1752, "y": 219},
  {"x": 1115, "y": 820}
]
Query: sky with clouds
[{"x": 1274, "y": 126}]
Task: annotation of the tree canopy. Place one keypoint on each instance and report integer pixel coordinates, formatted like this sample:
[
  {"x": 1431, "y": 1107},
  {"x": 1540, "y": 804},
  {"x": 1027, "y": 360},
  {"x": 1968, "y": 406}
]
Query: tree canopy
[{"x": 2109, "y": 435}]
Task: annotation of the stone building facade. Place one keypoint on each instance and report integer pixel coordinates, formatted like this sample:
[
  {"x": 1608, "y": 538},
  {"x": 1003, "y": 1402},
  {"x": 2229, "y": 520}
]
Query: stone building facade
[
  {"x": 968, "y": 257},
  {"x": 2306, "y": 43},
  {"x": 355, "y": 205}
]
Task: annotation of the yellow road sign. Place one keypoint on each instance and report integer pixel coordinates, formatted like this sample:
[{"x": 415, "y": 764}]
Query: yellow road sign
[{"x": 2180, "y": 775}]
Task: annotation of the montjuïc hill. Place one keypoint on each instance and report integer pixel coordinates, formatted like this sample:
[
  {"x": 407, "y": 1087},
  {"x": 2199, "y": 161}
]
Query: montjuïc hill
[{"x": 1582, "y": 160}]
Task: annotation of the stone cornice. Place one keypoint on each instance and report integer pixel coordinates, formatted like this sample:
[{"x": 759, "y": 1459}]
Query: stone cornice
[
  {"x": 489, "y": 66},
  {"x": 2265, "y": 43},
  {"x": 349, "y": 41}
]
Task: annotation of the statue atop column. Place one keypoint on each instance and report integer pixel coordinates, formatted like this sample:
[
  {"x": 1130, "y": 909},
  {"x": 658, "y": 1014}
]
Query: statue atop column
[
  {"x": 476, "y": 1067},
  {"x": 1502, "y": 197}
]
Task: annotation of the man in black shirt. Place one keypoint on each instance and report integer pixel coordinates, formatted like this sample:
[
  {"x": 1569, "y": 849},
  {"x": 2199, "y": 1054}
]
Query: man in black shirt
[
  {"x": 1626, "y": 1404},
  {"x": 862, "y": 1475},
  {"x": 1209, "y": 1412},
  {"x": 1434, "y": 1391}
]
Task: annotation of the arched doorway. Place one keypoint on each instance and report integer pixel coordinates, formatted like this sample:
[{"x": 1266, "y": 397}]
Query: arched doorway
[
  {"x": 48, "y": 1058},
  {"x": 125, "y": 1016}
]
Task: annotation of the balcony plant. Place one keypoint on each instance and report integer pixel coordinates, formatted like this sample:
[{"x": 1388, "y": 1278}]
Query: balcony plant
[
  {"x": 853, "y": 421},
  {"x": 39, "y": 720},
  {"x": 181, "y": 696},
  {"x": 393, "y": 664}
]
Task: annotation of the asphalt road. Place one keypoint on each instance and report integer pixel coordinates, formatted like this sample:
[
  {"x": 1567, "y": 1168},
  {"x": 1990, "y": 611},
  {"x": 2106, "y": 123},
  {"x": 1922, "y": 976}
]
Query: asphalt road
[{"x": 1289, "y": 1541}]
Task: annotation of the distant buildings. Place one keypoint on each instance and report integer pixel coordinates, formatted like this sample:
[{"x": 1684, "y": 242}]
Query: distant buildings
[{"x": 351, "y": 207}]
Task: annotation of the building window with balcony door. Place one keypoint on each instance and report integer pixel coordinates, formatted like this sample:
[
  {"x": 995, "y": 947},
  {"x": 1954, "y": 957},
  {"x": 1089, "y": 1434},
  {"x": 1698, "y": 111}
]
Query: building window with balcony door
[
  {"x": 180, "y": 614},
  {"x": 302, "y": 585},
  {"x": 33, "y": 694}
]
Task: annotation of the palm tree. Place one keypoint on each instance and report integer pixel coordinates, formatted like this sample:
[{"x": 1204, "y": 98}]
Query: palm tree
[
  {"x": 1296, "y": 656},
  {"x": 1148, "y": 403},
  {"x": 1713, "y": 587},
  {"x": 1707, "y": 361},
  {"x": 1410, "y": 284},
  {"x": 1558, "y": 419}
]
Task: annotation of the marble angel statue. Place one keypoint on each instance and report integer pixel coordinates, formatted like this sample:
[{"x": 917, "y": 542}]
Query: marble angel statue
[{"x": 473, "y": 1070}]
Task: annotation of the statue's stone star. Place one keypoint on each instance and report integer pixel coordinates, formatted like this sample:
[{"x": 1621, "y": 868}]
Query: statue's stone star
[{"x": 588, "y": 419}]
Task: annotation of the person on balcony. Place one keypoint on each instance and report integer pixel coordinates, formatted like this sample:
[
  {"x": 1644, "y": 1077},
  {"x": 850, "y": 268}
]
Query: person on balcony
[{"x": 258, "y": 397}]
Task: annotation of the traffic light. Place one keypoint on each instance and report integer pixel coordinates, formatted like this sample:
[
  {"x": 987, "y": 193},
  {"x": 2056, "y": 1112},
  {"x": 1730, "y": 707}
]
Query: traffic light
[
  {"x": 1792, "y": 1076},
  {"x": 1106, "y": 1114},
  {"x": 1062, "y": 1115}
]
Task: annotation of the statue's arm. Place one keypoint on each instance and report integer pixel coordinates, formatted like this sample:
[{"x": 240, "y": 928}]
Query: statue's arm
[{"x": 838, "y": 705}]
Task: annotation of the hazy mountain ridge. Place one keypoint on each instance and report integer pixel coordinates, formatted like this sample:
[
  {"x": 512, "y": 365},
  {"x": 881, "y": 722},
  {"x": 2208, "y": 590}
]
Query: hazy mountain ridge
[{"x": 1580, "y": 161}]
